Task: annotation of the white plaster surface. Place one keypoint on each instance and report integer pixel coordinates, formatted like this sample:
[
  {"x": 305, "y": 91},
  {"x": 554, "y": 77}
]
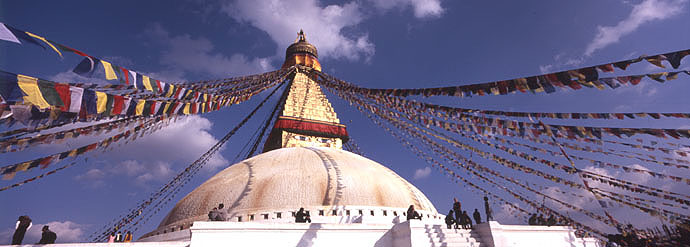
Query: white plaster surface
[{"x": 290, "y": 178}]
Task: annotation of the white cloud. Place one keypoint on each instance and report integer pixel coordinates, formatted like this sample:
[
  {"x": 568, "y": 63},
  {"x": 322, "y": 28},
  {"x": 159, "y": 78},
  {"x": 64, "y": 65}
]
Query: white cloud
[
  {"x": 422, "y": 173},
  {"x": 158, "y": 156},
  {"x": 66, "y": 231},
  {"x": 644, "y": 12},
  {"x": 197, "y": 55},
  {"x": 281, "y": 20},
  {"x": 421, "y": 8}
]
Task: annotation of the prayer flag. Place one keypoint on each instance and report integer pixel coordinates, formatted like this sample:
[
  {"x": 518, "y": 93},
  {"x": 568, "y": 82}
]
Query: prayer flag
[
  {"x": 29, "y": 86},
  {"x": 109, "y": 72},
  {"x": 134, "y": 78},
  {"x": 109, "y": 104},
  {"x": 45, "y": 41},
  {"x": 75, "y": 99},
  {"x": 101, "y": 102},
  {"x": 125, "y": 105},
  {"x": 89, "y": 101},
  {"x": 126, "y": 75},
  {"x": 674, "y": 58},
  {"x": 86, "y": 67},
  {"x": 9, "y": 88},
  {"x": 21, "y": 35},
  {"x": 49, "y": 93},
  {"x": 140, "y": 107},
  {"x": 171, "y": 90},
  {"x": 118, "y": 104},
  {"x": 6, "y": 34},
  {"x": 147, "y": 83},
  {"x": 62, "y": 90}
]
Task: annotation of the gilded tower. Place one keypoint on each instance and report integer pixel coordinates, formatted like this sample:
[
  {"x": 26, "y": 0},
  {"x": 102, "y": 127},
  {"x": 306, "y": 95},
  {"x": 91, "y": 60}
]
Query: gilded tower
[{"x": 307, "y": 118}]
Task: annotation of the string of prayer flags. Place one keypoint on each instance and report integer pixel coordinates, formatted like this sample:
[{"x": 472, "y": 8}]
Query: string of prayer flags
[
  {"x": 573, "y": 79},
  {"x": 8, "y": 172}
]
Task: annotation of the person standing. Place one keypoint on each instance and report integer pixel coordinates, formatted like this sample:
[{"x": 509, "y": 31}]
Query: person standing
[
  {"x": 487, "y": 210},
  {"x": 128, "y": 237},
  {"x": 111, "y": 238},
  {"x": 477, "y": 216},
  {"x": 23, "y": 224},
  {"x": 457, "y": 207},
  {"x": 48, "y": 236}
]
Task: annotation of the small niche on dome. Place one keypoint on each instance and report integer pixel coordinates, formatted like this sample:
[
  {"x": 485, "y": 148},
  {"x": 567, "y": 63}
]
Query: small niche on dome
[
  {"x": 347, "y": 212},
  {"x": 360, "y": 212},
  {"x": 279, "y": 215},
  {"x": 320, "y": 212},
  {"x": 335, "y": 212},
  {"x": 371, "y": 212},
  {"x": 265, "y": 216},
  {"x": 385, "y": 213}
]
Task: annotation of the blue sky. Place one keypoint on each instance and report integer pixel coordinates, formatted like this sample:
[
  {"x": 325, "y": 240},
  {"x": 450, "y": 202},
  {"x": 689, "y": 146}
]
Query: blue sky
[{"x": 372, "y": 43}]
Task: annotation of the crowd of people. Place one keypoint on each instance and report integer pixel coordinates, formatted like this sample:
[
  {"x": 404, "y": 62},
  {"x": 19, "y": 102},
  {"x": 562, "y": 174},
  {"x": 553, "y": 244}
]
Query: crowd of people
[
  {"x": 539, "y": 220},
  {"x": 24, "y": 224},
  {"x": 459, "y": 218}
]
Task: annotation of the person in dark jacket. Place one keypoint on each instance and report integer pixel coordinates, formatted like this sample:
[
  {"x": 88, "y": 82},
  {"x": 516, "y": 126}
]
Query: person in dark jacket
[
  {"x": 412, "y": 214},
  {"x": 457, "y": 208},
  {"x": 450, "y": 220},
  {"x": 477, "y": 216},
  {"x": 48, "y": 236},
  {"x": 23, "y": 224},
  {"x": 302, "y": 217}
]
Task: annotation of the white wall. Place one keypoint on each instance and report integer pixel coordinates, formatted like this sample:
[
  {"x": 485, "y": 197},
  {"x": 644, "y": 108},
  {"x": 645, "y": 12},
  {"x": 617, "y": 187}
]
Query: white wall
[{"x": 494, "y": 234}]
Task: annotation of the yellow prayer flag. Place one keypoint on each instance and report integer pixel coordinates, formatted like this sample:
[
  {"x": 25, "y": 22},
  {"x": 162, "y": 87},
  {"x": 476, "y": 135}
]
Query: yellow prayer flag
[
  {"x": 167, "y": 106},
  {"x": 171, "y": 90},
  {"x": 101, "y": 101},
  {"x": 140, "y": 107},
  {"x": 45, "y": 41},
  {"x": 186, "y": 109},
  {"x": 29, "y": 86},
  {"x": 109, "y": 72},
  {"x": 147, "y": 83}
]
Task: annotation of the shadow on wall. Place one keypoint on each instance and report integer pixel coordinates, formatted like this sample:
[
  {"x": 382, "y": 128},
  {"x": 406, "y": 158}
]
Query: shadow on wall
[{"x": 309, "y": 236}]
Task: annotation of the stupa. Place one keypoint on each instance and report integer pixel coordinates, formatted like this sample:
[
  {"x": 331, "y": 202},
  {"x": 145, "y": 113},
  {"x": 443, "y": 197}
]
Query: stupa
[{"x": 352, "y": 200}]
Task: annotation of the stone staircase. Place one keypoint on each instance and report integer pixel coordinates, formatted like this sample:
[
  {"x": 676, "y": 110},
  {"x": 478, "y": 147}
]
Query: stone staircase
[{"x": 440, "y": 236}]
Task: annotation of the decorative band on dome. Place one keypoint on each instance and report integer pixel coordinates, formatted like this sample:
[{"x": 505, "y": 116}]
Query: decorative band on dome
[{"x": 311, "y": 127}]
